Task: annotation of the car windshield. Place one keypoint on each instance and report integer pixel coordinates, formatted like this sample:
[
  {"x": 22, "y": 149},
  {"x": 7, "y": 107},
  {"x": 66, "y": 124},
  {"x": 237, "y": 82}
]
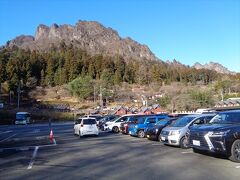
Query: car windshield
[
  {"x": 183, "y": 121},
  {"x": 162, "y": 122},
  {"x": 89, "y": 121},
  {"x": 22, "y": 116},
  {"x": 226, "y": 118},
  {"x": 114, "y": 119}
]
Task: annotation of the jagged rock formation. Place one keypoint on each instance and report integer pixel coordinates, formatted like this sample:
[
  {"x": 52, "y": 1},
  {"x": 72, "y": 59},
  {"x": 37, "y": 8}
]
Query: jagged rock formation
[
  {"x": 176, "y": 64},
  {"x": 87, "y": 35},
  {"x": 213, "y": 66}
]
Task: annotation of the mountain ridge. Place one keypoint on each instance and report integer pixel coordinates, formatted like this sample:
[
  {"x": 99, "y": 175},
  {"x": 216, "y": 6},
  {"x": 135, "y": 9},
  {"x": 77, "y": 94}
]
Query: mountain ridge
[
  {"x": 213, "y": 66},
  {"x": 87, "y": 35},
  {"x": 95, "y": 38}
]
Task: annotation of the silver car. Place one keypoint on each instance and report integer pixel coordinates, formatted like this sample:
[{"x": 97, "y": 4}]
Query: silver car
[{"x": 176, "y": 133}]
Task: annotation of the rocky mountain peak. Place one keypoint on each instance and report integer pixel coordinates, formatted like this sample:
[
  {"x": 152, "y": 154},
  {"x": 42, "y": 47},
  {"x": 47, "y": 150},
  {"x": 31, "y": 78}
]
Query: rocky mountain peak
[
  {"x": 87, "y": 35},
  {"x": 176, "y": 64},
  {"x": 213, "y": 66}
]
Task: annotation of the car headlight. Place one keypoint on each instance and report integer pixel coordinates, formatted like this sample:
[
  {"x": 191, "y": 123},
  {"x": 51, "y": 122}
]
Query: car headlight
[
  {"x": 174, "y": 133},
  {"x": 156, "y": 130},
  {"x": 218, "y": 133}
]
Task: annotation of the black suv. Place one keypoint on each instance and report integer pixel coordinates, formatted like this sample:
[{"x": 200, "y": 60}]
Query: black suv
[
  {"x": 153, "y": 133},
  {"x": 221, "y": 135}
]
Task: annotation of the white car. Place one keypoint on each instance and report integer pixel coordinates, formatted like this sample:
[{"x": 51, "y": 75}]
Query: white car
[
  {"x": 95, "y": 116},
  {"x": 86, "y": 126},
  {"x": 114, "y": 125}
]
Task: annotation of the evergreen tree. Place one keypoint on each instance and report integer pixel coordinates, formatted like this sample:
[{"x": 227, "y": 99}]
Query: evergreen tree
[
  {"x": 82, "y": 87},
  {"x": 49, "y": 79}
]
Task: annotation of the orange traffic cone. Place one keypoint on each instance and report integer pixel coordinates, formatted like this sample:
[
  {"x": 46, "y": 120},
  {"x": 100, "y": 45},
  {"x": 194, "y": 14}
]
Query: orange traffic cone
[{"x": 51, "y": 135}]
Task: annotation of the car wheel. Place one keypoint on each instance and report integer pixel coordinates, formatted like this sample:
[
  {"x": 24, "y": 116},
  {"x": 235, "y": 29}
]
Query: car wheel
[
  {"x": 184, "y": 142},
  {"x": 79, "y": 134},
  {"x": 235, "y": 151},
  {"x": 141, "y": 134},
  {"x": 115, "y": 129}
]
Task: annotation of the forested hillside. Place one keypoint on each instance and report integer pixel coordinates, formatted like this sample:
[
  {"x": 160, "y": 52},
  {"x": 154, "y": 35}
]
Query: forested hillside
[{"x": 61, "y": 66}]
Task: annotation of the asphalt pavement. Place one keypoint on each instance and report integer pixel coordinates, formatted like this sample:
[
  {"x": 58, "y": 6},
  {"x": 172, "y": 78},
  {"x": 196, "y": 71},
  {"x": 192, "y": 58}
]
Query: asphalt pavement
[{"x": 27, "y": 152}]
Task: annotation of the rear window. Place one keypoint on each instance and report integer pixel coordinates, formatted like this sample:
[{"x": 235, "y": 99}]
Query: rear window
[
  {"x": 151, "y": 120},
  {"x": 89, "y": 121},
  {"x": 140, "y": 120},
  {"x": 133, "y": 119}
]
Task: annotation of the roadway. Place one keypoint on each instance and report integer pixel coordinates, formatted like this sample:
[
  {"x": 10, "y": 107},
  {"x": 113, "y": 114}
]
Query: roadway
[{"x": 26, "y": 152}]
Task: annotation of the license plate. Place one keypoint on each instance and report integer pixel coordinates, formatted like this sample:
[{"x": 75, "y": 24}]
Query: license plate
[
  {"x": 163, "y": 138},
  {"x": 196, "y": 143}
]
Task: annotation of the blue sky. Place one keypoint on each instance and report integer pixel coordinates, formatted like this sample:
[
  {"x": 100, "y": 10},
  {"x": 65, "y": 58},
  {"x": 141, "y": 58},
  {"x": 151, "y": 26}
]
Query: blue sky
[{"x": 187, "y": 30}]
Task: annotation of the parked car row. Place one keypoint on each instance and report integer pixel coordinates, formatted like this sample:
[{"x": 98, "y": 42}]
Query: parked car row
[
  {"x": 176, "y": 134},
  {"x": 213, "y": 132}
]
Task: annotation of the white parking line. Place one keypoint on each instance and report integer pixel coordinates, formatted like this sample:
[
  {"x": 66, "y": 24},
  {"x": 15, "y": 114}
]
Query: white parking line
[
  {"x": 54, "y": 142},
  {"x": 8, "y": 138},
  {"x": 5, "y": 132},
  {"x": 33, "y": 157},
  {"x": 238, "y": 167},
  {"x": 187, "y": 152}
]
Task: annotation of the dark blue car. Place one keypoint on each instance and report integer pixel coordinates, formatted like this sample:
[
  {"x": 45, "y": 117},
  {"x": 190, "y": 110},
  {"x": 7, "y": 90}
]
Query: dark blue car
[{"x": 137, "y": 127}]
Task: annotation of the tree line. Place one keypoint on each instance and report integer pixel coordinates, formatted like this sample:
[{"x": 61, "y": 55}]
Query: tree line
[{"x": 63, "y": 65}]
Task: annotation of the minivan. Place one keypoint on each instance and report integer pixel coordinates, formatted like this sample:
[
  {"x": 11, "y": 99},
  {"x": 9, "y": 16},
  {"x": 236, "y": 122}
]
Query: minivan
[{"x": 176, "y": 134}]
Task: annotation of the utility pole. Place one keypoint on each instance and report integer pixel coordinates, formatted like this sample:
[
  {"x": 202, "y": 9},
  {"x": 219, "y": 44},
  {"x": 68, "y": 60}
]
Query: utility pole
[
  {"x": 18, "y": 91},
  {"x": 94, "y": 95},
  {"x": 222, "y": 94},
  {"x": 101, "y": 98}
]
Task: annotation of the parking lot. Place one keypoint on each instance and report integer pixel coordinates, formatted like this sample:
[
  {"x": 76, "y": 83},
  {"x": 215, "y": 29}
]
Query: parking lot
[{"x": 26, "y": 152}]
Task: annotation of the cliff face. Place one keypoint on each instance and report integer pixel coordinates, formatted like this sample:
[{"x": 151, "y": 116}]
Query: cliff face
[{"x": 88, "y": 35}]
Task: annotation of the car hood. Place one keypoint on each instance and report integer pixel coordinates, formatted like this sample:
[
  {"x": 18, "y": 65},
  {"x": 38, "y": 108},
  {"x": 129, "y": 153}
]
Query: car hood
[
  {"x": 212, "y": 127},
  {"x": 172, "y": 128}
]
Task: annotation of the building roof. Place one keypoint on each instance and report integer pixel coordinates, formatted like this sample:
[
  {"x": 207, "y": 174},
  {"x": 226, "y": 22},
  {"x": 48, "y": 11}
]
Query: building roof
[{"x": 155, "y": 106}]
